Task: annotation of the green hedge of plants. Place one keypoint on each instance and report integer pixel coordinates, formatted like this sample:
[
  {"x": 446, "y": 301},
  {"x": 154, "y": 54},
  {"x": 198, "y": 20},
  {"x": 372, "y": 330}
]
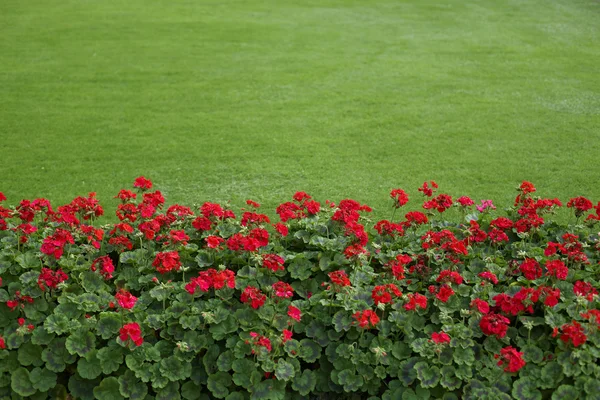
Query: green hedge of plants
[{"x": 460, "y": 301}]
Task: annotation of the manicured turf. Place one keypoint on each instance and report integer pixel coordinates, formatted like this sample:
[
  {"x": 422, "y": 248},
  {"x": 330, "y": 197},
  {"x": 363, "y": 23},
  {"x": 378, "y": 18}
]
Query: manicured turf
[{"x": 228, "y": 100}]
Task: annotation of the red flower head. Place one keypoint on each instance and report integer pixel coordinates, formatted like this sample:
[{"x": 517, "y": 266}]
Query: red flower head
[
  {"x": 428, "y": 191},
  {"x": 283, "y": 290},
  {"x": 214, "y": 241},
  {"x": 131, "y": 331},
  {"x": 494, "y": 324},
  {"x": 366, "y": 319},
  {"x": 252, "y": 203},
  {"x": 415, "y": 218},
  {"x": 281, "y": 229},
  {"x": 53, "y": 245},
  {"x": 488, "y": 276},
  {"x": 531, "y": 269},
  {"x": 2, "y": 197},
  {"x": 125, "y": 299},
  {"x": 385, "y": 293},
  {"x": 400, "y": 197},
  {"x": 178, "y": 236},
  {"x": 481, "y": 305},
  {"x": 585, "y": 289},
  {"x": 557, "y": 268},
  {"x": 447, "y": 276},
  {"x": 300, "y": 196},
  {"x": 354, "y": 251},
  {"x": 142, "y": 183},
  {"x": 465, "y": 201},
  {"x": 166, "y": 262},
  {"x": 294, "y": 313},
  {"x": 580, "y": 204},
  {"x": 273, "y": 262},
  {"x": 253, "y": 296},
  {"x": 510, "y": 359},
  {"x": 398, "y": 265},
  {"x": 260, "y": 341},
  {"x": 287, "y": 335},
  {"x": 440, "y": 337},
  {"x": 444, "y": 293},
  {"x": 573, "y": 333},
  {"x": 2, "y": 343},
  {"x": 415, "y": 300},
  {"x": 339, "y": 278},
  {"x": 202, "y": 224},
  {"x": 50, "y": 279},
  {"x": 125, "y": 195}
]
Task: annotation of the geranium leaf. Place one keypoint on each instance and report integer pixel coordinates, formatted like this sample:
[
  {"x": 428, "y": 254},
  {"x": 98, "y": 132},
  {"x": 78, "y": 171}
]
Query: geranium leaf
[
  {"x": 284, "y": 370},
  {"x": 108, "y": 325},
  {"x": 41, "y": 336},
  {"x": 407, "y": 373},
  {"x": 304, "y": 383},
  {"x": 30, "y": 354},
  {"x": 108, "y": 389},
  {"x": 174, "y": 369},
  {"x": 82, "y": 388},
  {"x": 190, "y": 391},
  {"x": 532, "y": 354},
  {"x": 219, "y": 384},
  {"x": 565, "y": 392},
  {"x": 89, "y": 368},
  {"x": 21, "y": 382},
  {"x": 309, "y": 350},
  {"x": 131, "y": 387},
  {"x": 350, "y": 380},
  {"x": 270, "y": 389},
  {"x": 526, "y": 389},
  {"x": 110, "y": 358},
  {"x": 81, "y": 342},
  {"x": 225, "y": 360}
]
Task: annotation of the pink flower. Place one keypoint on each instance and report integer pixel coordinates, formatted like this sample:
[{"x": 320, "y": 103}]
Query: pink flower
[{"x": 485, "y": 204}]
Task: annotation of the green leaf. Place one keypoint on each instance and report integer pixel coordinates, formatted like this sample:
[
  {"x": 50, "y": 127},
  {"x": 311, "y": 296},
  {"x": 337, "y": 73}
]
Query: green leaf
[
  {"x": 532, "y": 354},
  {"x": 565, "y": 392},
  {"x": 174, "y": 369},
  {"x": 284, "y": 370},
  {"x": 108, "y": 325},
  {"x": 310, "y": 351},
  {"x": 41, "y": 336},
  {"x": 223, "y": 329},
  {"x": 401, "y": 350},
  {"x": 21, "y": 383},
  {"x": 30, "y": 354},
  {"x": 270, "y": 389},
  {"x": 90, "y": 367},
  {"x": 56, "y": 356},
  {"x": 342, "y": 321},
  {"x": 225, "y": 360},
  {"x": 304, "y": 383},
  {"x": 108, "y": 389},
  {"x": 43, "y": 379},
  {"x": 92, "y": 282},
  {"x": 82, "y": 388},
  {"x": 190, "y": 391},
  {"x": 110, "y": 358},
  {"x": 189, "y": 322},
  {"x": 407, "y": 373},
  {"x": 349, "y": 380},
  {"x": 169, "y": 392},
  {"x": 81, "y": 342},
  {"x": 132, "y": 387},
  {"x": 464, "y": 356},
  {"x": 59, "y": 324},
  {"x": 300, "y": 268},
  {"x": 218, "y": 384},
  {"x": 552, "y": 375},
  {"x": 428, "y": 375},
  {"x": 526, "y": 389}
]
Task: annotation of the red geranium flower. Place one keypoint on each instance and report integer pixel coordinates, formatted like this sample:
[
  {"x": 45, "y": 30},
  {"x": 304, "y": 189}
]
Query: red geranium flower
[
  {"x": 366, "y": 319},
  {"x": 585, "y": 289},
  {"x": 273, "y": 262},
  {"x": 214, "y": 241},
  {"x": 481, "y": 305},
  {"x": 283, "y": 289},
  {"x": 339, "y": 278},
  {"x": 581, "y": 205},
  {"x": 510, "y": 359},
  {"x": 444, "y": 293},
  {"x": 294, "y": 313},
  {"x": 253, "y": 296},
  {"x": 440, "y": 337},
  {"x": 142, "y": 183},
  {"x": 384, "y": 293},
  {"x": 131, "y": 331},
  {"x": 415, "y": 300},
  {"x": 465, "y": 201},
  {"x": 125, "y": 299},
  {"x": 281, "y": 229},
  {"x": 494, "y": 324},
  {"x": 400, "y": 197},
  {"x": 531, "y": 269},
  {"x": 573, "y": 333},
  {"x": 166, "y": 262},
  {"x": 50, "y": 279},
  {"x": 557, "y": 268},
  {"x": 106, "y": 266},
  {"x": 489, "y": 276}
]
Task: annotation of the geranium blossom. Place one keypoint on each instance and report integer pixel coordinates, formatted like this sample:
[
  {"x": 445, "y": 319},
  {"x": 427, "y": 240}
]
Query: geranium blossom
[
  {"x": 366, "y": 319},
  {"x": 131, "y": 331},
  {"x": 510, "y": 359}
]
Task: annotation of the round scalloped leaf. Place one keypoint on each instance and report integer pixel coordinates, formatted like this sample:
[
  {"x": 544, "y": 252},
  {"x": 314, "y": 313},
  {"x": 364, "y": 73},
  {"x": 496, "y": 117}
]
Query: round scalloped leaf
[
  {"x": 342, "y": 321},
  {"x": 449, "y": 379},
  {"x": 92, "y": 282},
  {"x": 270, "y": 389},
  {"x": 224, "y": 328},
  {"x": 89, "y": 368},
  {"x": 174, "y": 369},
  {"x": 81, "y": 343},
  {"x": 132, "y": 387},
  {"x": 526, "y": 389},
  {"x": 218, "y": 384},
  {"x": 40, "y": 336},
  {"x": 565, "y": 392},
  {"x": 21, "y": 383},
  {"x": 349, "y": 380},
  {"x": 492, "y": 345},
  {"x": 464, "y": 356},
  {"x": 449, "y": 396},
  {"x": 108, "y": 389},
  {"x": 305, "y": 383},
  {"x": 30, "y": 354},
  {"x": 110, "y": 359},
  {"x": 592, "y": 388},
  {"x": 310, "y": 351},
  {"x": 190, "y": 391},
  {"x": 428, "y": 375},
  {"x": 401, "y": 351},
  {"x": 284, "y": 370},
  {"x": 189, "y": 322},
  {"x": 54, "y": 360},
  {"x": 407, "y": 373},
  {"x": 169, "y": 392},
  {"x": 82, "y": 388},
  {"x": 225, "y": 360},
  {"x": 235, "y": 396},
  {"x": 532, "y": 354},
  {"x": 43, "y": 379},
  {"x": 108, "y": 325},
  {"x": 292, "y": 347}
]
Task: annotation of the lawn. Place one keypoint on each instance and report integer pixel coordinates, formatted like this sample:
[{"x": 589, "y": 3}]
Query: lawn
[{"x": 228, "y": 100}]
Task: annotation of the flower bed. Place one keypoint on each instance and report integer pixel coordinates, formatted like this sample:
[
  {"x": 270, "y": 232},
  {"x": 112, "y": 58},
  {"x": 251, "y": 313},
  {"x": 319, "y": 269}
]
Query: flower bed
[{"x": 458, "y": 301}]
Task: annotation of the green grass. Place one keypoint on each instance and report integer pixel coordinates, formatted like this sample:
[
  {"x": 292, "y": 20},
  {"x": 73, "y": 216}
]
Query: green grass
[{"x": 228, "y": 100}]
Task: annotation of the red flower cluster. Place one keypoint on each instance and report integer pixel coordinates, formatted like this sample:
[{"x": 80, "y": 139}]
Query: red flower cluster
[
  {"x": 398, "y": 265},
  {"x": 571, "y": 248},
  {"x": 428, "y": 191},
  {"x": 294, "y": 313},
  {"x": 131, "y": 331},
  {"x": 444, "y": 293},
  {"x": 339, "y": 278},
  {"x": 366, "y": 319},
  {"x": 53, "y": 245},
  {"x": 440, "y": 337},
  {"x": 481, "y": 305},
  {"x": 510, "y": 359},
  {"x": 415, "y": 300},
  {"x": 531, "y": 269},
  {"x": 573, "y": 333},
  {"x": 252, "y": 218},
  {"x": 214, "y": 242},
  {"x": 384, "y": 293},
  {"x": 557, "y": 268},
  {"x": 440, "y": 203},
  {"x": 494, "y": 324},
  {"x": 445, "y": 241},
  {"x": 580, "y": 204},
  {"x": 415, "y": 218},
  {"x": 448, "y": 276},
  {"x": 49, "y": 279},
  {"x": 302, "y": 207},
  {"x": 385, "y": 227},
  {"x": 125, "y": 299},
  {"x": 465, "y": 201},
  {"x": 282, "y": 289},
  {"x": 487, "y": 275},
  {"x": 2, "y": 342},
  {"x": 19, "y": 300},
  {"x": 142, "y": 183},
  {"x": 166, "y": 262},
  {"x": 211, "y": 278},
  {"x": 273, "y": 262},
  {"x": 260, "y": 341},
  {"x": 255, "y": 239},
  {"x": 400, "y": 197},
  {"x": 253, "y": 296},
  {"x": 585, "y": 289}
]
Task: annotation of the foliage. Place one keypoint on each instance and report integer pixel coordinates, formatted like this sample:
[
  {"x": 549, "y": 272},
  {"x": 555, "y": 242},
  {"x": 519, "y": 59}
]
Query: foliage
[{"x": 203, "y": 304}]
